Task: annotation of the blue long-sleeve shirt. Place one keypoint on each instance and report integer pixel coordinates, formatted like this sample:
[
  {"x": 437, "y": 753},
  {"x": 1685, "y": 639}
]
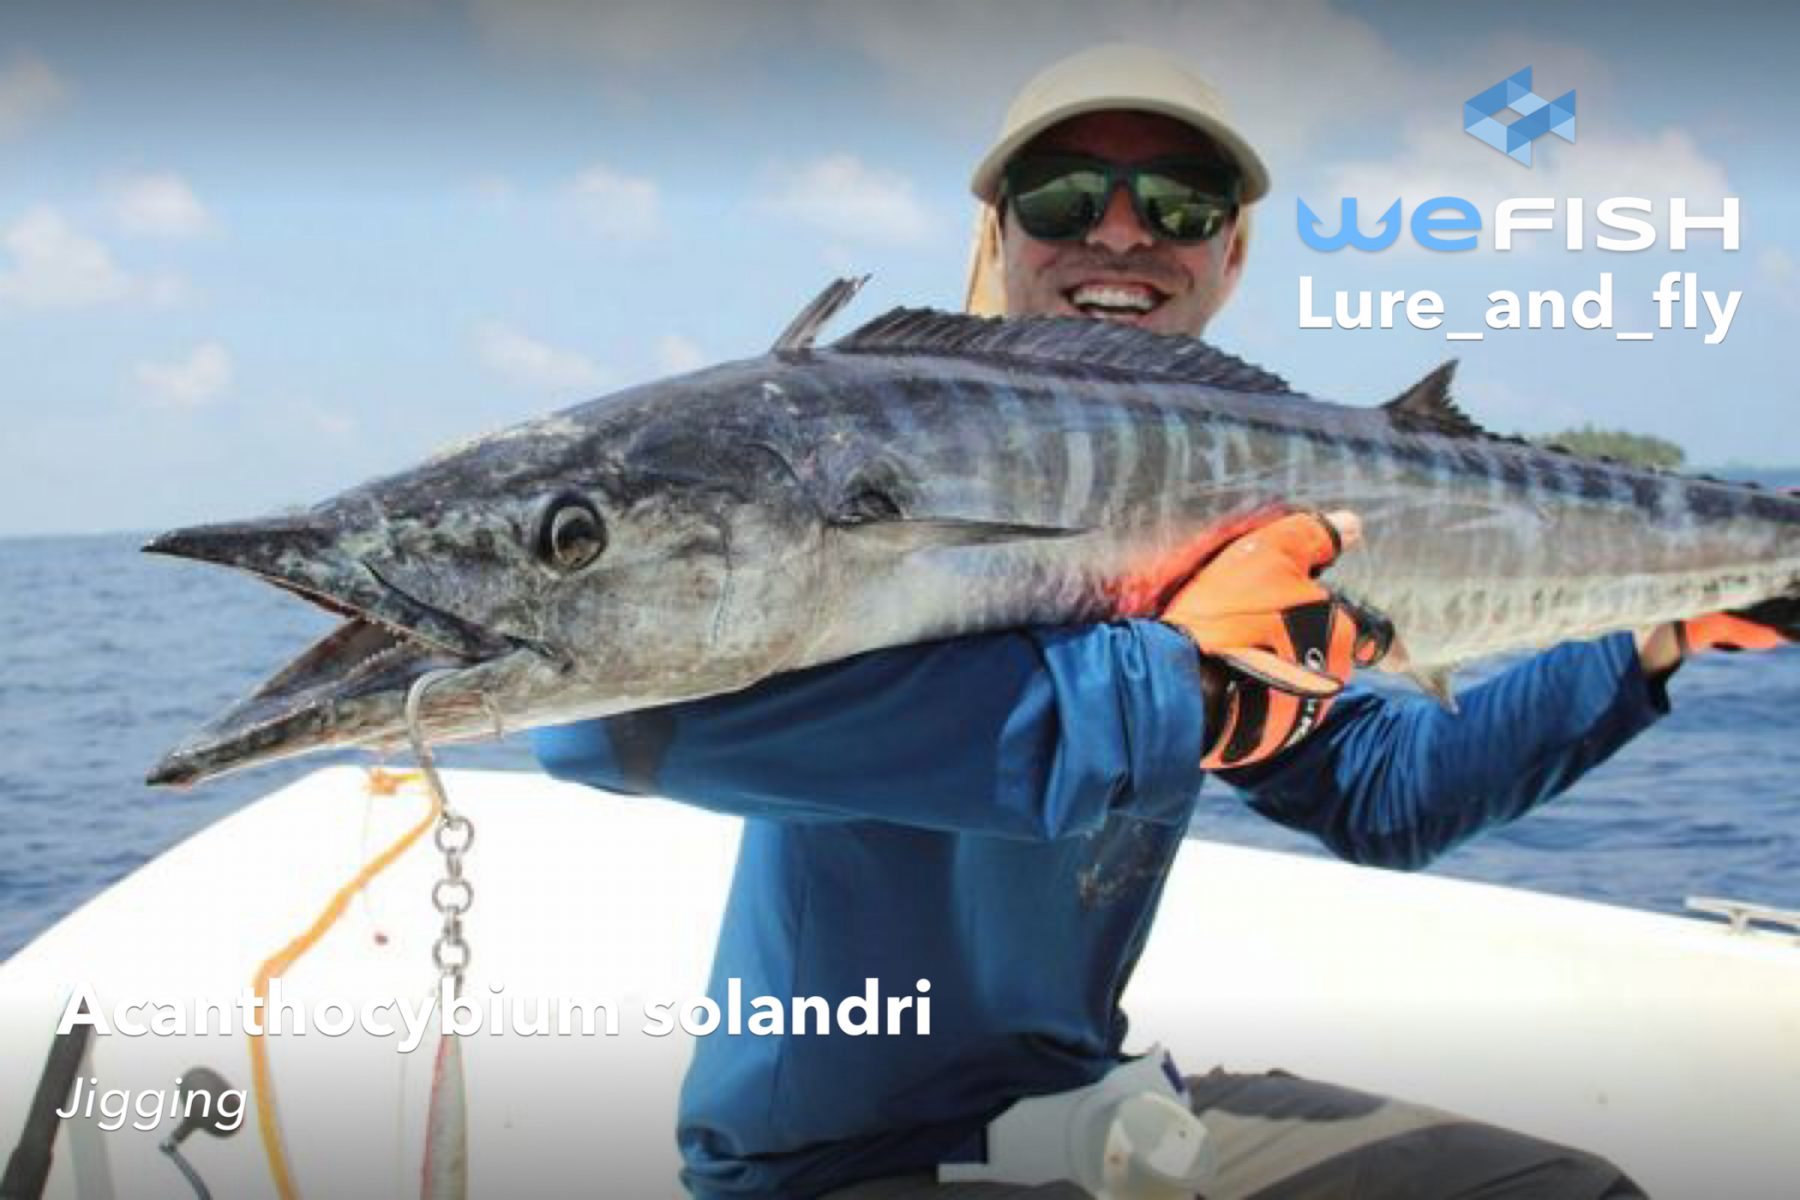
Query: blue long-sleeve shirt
[{"x": 997, "y": 815}]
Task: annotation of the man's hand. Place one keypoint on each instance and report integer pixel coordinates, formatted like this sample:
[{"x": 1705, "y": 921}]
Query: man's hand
[
  {"x": 1762, "y": 626},
  {"x": 1285, "y": 643}
]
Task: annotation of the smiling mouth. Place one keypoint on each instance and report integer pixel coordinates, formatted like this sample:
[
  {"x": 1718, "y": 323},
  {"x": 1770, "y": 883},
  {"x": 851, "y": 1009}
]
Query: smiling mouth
[{"x": 1115, "y": 300}]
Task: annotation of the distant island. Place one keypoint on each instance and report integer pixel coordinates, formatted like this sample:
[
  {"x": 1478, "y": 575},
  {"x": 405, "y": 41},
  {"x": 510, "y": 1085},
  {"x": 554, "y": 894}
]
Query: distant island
[{"x": 1637, "y": 449}]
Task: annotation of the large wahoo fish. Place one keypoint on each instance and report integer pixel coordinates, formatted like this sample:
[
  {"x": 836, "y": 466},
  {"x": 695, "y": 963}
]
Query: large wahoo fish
[{"x": 933, "y": 475}]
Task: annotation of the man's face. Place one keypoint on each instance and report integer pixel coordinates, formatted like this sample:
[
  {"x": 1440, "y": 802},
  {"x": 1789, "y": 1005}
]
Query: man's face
[{"x": 1121, "y": 271}]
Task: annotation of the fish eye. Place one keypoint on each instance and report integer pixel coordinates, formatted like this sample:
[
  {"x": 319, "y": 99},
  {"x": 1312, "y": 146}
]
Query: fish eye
[
  {"x": 869, "y": 503},
  {"x": 570, "y": 534}
]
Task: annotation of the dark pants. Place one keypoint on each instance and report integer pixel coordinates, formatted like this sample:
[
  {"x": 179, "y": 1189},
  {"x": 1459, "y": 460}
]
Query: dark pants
[{"x": 1282, "y": 1138}]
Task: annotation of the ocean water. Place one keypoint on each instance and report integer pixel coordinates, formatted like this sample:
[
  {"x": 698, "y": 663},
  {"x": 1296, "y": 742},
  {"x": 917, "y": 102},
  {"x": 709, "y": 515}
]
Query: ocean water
[{"x": 111, "y": 656}]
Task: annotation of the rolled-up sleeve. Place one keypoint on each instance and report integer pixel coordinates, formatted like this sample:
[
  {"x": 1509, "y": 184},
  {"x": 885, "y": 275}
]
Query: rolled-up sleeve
[{"x": 1396, "y": 781}]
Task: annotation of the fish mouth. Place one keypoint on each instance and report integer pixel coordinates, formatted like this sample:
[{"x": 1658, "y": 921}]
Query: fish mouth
[{"x": 348, "y": 688}]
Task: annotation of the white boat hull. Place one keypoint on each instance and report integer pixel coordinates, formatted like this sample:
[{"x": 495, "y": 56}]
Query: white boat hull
[{"x": 1665, "y": 1043}]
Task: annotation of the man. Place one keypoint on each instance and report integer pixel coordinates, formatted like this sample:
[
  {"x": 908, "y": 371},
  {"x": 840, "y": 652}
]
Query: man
[{"x": 997, "y": 814}]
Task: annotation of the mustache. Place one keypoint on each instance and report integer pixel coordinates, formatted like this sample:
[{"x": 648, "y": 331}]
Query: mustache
[
  {"x": 1084, "y": 263},
  {"x": 1143, "y": 263}
]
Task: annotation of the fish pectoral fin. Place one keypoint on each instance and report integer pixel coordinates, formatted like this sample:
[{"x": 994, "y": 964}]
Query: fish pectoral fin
[
  {"x": 904, "y": 535},
  {"x": 1435, "y": 682},
  {"x": 803, "y": 330}
]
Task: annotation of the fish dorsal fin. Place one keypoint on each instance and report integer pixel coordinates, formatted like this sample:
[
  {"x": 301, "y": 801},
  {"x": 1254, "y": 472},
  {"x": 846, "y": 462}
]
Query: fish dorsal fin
[
  {"x": 1069, "y": 340},
  {"x": 1426, "y": 407},
  {"x": 801, "y": 332}
]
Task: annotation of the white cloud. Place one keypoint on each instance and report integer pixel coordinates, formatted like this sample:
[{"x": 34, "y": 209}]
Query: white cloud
[
  {"x": 840, "y": 196},
  {"x": 27, "y": 89},
  {"x": 159, "y": 204},
  {"x": 53, "y": 265},
  {"x": 188, "y": 383},
  {"x": 676, "y": 355},
  {"x": 523, "y": 359},
  {"x": 621, "y": 207},
  {"x": 48, "y": 263}
]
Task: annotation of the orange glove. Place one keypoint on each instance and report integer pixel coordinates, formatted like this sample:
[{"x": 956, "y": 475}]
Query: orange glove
[
  {"x": 1289, "y": 643},
  {"x": 1762, "y": 626}
]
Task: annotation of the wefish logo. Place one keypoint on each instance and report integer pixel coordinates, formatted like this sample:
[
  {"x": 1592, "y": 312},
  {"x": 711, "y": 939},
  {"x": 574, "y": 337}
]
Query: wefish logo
[
  {"x": 1537, "y": 116},
  {"x": 1452, "y": 224}
]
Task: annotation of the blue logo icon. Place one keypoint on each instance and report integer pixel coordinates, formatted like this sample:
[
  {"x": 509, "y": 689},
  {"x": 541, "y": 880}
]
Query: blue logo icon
[{"x": 1537, "y": 116}]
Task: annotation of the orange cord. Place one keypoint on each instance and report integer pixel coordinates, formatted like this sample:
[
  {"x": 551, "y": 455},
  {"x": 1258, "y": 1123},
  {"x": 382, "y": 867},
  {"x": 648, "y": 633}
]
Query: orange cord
[{"x": 381, "y": 783}]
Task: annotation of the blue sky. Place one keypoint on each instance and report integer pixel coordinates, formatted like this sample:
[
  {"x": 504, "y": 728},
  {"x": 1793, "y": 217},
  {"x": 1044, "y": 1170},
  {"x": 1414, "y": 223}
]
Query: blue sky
[{"x": 252, "y": 253}]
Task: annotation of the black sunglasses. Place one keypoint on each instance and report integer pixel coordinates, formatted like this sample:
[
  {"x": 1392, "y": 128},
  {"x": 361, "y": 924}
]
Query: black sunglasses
[{"x": 1061, "y": 197}]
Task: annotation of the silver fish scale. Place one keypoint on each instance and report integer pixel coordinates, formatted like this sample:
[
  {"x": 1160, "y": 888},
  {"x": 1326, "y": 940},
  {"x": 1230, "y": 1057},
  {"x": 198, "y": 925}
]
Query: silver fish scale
[
  {"x": 1044, "y": 470},
  {"x": 1473, "y": 546}
]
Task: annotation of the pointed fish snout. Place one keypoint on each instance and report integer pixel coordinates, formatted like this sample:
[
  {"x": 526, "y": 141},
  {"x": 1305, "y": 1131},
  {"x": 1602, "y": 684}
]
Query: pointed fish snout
[
  {"x": 307, "y": 554},
  {"x": 173, "y": 770},
  {"x": 252, "y": 545}
]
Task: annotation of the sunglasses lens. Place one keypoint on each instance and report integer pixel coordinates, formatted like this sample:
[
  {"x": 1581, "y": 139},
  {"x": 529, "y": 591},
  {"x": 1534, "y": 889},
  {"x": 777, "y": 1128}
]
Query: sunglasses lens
[
  {"x": 1062, "y": 198},
  {"x": 1179, "y": 211},
  {"x": 1056, "y": 202}
]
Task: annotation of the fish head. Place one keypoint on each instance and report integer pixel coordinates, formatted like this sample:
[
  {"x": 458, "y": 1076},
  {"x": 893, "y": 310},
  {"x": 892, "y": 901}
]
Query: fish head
[{"x": 557, "y": 571}]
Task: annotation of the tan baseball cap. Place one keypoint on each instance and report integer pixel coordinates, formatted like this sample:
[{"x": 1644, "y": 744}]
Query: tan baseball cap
[{"x": 1111, "y": 77}]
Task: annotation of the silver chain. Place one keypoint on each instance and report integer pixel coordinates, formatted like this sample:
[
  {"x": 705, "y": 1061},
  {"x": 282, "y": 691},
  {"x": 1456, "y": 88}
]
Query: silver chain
[{"x": 453, "y": 895}]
